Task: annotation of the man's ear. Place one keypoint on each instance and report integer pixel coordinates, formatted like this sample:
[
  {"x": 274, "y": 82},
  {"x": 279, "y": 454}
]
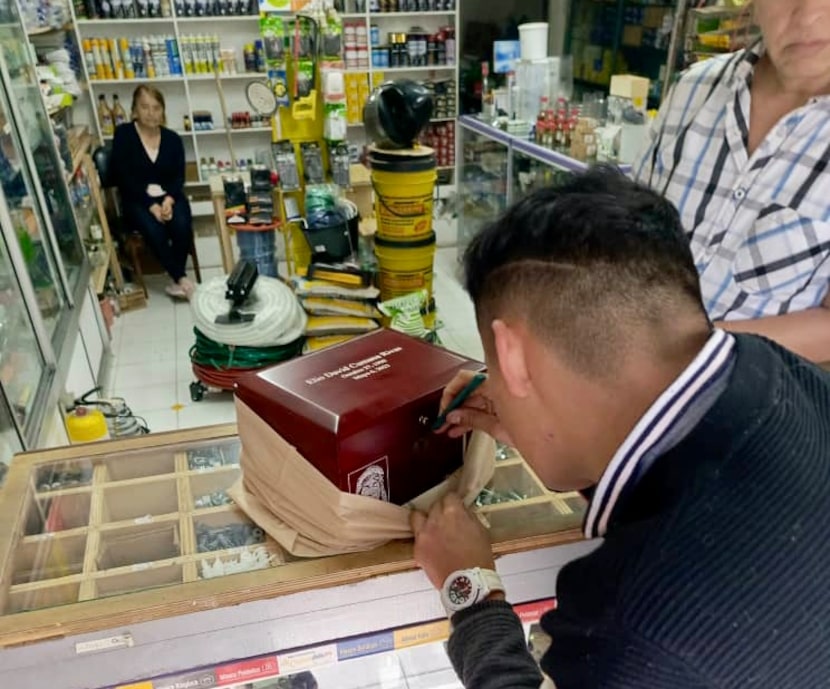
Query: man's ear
[{"x": 511, "y": 352}]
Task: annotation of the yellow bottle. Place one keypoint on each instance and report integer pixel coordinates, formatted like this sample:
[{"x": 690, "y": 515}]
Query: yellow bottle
[
  {"x": 119, "y": 115},
  {"x": 105, "y": 116},
  {"x": 86, "y": 425}
]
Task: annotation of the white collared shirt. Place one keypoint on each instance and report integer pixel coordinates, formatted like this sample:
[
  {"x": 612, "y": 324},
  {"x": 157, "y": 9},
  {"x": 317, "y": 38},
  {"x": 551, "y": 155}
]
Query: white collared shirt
[
  {"x": 759, "y": 226},
  {"x": 672, "y": 416}
]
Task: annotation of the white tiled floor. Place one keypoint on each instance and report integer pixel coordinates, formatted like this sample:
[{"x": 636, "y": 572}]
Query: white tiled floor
[{"x": 151, "y": 367}]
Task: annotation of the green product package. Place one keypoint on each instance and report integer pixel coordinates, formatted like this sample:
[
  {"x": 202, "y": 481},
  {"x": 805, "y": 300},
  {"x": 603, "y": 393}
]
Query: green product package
[
  {"x": 406, "y": 314},
  {"x": 272, "y": 29}
]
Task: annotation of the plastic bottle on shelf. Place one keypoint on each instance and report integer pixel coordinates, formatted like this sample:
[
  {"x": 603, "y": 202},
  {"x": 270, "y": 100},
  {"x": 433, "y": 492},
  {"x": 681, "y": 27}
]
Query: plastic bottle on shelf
[
  {"x": 119, "y": 115},
  {"x": 550, "y": 129},
  {"x": 105, "y": 116},
  {"x": 540, "y": 120},
  {"x": 89, "y": 57},
  {"x": 486, "y": 93}
]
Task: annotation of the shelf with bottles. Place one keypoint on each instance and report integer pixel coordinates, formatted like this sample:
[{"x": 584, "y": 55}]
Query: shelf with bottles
[
  {"x": 409, "y": 7},
  {"x": 226, "y": 76},
  {"x": 405, "y": 15},
  {"x": 219, "y": 18},
  {"x": 420, "y": 68},
  {"x": 144, "y": 10},
  {"x": 233, "y": 130},
  {"x": 134, "y": 21},
  {"x": 136, "y": 80}
]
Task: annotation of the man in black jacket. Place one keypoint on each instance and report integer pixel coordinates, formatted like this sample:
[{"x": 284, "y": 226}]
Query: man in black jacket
[{"x": 706, "y": 457}]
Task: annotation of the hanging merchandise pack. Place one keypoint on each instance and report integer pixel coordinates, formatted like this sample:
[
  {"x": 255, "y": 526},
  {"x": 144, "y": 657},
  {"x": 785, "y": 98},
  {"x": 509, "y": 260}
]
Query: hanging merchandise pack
[
  {"x": 303, "y": 35},
  {"x": 340, "y": 162},
  {"x": 235, "y": 201},
  {"x": 337, "y": 446},
  {"x": 272, "y": 29},
  {"x": 285, "y": 162},
  {"x": 313, "y": 169},
  {"x": 260, "y": 198},
  {"x": 332, "y": 40},
  {"x": 335, "y": 122}
]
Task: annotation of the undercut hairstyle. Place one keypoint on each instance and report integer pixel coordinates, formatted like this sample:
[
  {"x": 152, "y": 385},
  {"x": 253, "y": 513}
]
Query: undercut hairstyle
[{"x": 584, "y": 263}]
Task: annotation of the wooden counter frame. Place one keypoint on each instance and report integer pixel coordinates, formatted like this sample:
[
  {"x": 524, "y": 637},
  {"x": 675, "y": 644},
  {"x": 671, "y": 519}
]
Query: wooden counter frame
[{"x": 120, "y": 610}]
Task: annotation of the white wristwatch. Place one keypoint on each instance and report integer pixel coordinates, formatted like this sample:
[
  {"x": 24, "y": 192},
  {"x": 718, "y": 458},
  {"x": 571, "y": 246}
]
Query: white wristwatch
[{"x": 467, "y": 587}]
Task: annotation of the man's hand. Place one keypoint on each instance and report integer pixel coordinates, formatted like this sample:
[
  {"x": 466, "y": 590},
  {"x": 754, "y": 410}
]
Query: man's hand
[
  {"x": 157, "y": 212},
  {"x": 449, "y": 539},
  {"x": 477, "y": 412}
]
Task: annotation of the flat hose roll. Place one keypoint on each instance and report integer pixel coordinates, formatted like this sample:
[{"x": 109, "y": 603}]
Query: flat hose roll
[
  {"x": 279, "y": 316},
  {"x": 208, "y": 353}
]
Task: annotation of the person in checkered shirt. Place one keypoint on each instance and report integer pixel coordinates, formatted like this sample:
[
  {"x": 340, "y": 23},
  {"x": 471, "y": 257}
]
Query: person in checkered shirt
[{"x": 741, "y": 146}]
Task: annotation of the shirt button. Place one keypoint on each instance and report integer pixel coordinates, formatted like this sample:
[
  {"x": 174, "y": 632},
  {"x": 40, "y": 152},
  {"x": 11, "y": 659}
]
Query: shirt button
[{"x": 739, "y": 194}]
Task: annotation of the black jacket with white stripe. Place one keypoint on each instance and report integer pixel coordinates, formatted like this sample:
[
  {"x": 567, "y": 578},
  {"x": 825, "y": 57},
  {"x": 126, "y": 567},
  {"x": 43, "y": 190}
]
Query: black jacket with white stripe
[{"x": 713, "y": 570}]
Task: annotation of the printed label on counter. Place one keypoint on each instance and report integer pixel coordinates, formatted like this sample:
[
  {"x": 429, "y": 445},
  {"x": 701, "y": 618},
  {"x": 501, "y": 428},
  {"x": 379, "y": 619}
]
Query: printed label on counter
[
  {"x": 247, "y": 670},
  {"x": 108, "y": 643},
  {"x": 194, "y": 680},
  {"x": 290, "y": 663}
]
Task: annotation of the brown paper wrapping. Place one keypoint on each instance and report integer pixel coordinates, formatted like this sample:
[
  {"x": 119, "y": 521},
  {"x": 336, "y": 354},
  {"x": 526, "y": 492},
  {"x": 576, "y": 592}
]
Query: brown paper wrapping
[{"x": 309, "y": 516}]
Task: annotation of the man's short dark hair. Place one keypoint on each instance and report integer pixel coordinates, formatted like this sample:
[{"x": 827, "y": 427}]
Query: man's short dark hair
[{"x": 582, "y": 262}]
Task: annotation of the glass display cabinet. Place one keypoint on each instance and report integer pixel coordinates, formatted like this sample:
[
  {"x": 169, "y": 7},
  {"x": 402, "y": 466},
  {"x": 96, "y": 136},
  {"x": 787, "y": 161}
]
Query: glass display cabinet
[
  {"x": 134, "y": 546},
  {"x": 44, "y": 272},
  {"x": 497, "y": 169}
]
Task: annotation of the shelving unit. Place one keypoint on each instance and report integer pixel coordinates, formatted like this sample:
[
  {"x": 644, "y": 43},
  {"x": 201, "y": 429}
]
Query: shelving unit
[
  {"x": 188, "y": 93},
  {"x": 402, "y": 22},
  {"x": 616, "y": 36}
]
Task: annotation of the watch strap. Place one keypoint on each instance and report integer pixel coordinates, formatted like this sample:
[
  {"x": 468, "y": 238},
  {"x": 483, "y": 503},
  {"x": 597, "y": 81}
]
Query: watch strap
[{"x": 491, "y": 580}]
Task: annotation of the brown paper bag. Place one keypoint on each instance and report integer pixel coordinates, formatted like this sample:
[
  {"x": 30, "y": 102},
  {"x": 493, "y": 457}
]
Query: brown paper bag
[{"x": 309, "y": 516}]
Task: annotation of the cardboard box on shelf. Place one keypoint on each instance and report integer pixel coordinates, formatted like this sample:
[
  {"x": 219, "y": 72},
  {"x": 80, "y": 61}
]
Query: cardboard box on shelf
[{"x": 632, "y": 35}]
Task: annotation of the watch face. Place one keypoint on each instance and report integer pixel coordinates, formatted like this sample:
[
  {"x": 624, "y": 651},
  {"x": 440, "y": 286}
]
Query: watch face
[{"x": 460, "y": 590}]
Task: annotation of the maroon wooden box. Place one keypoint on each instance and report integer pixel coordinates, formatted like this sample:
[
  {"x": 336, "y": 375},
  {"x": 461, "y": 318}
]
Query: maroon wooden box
[{"x": 361, "y": 412}]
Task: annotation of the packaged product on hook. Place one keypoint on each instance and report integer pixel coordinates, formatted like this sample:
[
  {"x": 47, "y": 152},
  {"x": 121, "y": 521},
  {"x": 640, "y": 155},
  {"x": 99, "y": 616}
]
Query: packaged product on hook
[
  {"x": 312, "y": 162},
  {"x": 285, "y": 161}
]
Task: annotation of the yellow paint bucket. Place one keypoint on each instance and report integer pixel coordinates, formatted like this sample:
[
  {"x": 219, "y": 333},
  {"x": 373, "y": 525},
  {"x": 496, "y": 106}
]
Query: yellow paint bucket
[
  {"x": 404, "y": 185},
  {"x": 405, "y": 266}
]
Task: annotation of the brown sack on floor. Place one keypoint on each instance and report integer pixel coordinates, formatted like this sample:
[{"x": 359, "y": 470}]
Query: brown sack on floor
[{"x": 307, "y": 514}]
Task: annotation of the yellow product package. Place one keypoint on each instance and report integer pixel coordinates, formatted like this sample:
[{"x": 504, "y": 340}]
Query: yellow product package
[
  {"x": 339, "y": 325},
  {"x": 314, "y": 344},
  {"x": 325, "y": 306}
]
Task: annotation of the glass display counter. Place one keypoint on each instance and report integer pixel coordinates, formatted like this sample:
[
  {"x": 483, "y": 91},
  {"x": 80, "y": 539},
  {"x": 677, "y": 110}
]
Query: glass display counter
[
  {"x": 141, "y": 529},
  {"x": 497, "y": 169}
]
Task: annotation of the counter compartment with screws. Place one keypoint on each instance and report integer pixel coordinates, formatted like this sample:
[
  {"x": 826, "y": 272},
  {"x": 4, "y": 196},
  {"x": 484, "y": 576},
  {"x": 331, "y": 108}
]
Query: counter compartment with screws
[{"x": 209, "y": 489}]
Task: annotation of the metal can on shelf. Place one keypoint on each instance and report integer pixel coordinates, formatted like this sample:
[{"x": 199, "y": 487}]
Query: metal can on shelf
[{"x": 374, "y": 32}]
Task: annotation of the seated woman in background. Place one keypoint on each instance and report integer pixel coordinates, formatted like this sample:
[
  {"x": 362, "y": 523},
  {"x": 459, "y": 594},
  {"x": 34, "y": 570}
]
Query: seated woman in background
[{"x": 147, "y": 166}]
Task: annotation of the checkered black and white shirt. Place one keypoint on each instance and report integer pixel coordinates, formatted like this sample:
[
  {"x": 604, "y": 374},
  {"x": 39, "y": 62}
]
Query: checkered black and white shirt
[{"x": 759, "y": 226}]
